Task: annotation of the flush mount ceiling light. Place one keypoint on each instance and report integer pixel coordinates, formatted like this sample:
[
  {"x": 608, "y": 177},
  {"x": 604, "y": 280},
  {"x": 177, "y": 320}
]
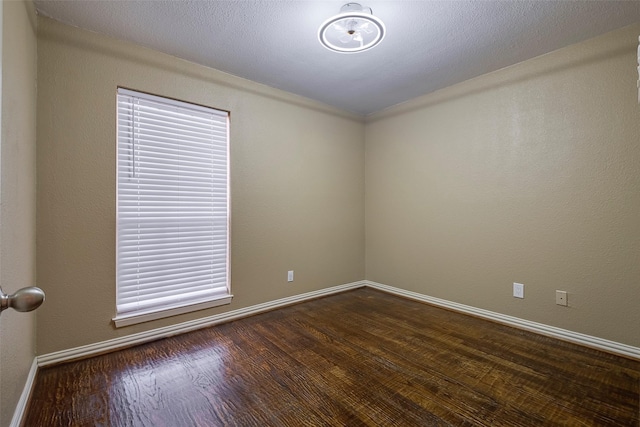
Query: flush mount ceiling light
[{"x": 354, "y": 29}]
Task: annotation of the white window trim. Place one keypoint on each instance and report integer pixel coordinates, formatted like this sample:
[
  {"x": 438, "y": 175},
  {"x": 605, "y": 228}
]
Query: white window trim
[
  {"x": 132, "y": 319},
  {"x": 219, "y": 299}
]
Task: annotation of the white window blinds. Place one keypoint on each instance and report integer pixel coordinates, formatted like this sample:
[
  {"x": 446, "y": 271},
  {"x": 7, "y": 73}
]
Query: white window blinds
[{"x": 172, "y": 195}]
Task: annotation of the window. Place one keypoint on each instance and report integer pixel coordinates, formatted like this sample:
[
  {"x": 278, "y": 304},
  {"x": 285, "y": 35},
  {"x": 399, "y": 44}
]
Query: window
[{"x": 173, "y": 208}]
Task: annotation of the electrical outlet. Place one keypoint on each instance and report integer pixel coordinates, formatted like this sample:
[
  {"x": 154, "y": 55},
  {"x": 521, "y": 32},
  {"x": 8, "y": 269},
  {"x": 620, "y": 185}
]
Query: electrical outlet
[
  {"x": 290, "y": 276},
  {"x": 518, "y": 290},
  {"x": 561, "y": 298}
]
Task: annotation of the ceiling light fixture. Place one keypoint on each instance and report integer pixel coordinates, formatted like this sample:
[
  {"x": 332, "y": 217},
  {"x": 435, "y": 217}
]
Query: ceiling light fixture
[{"x": 354, "y": 29}]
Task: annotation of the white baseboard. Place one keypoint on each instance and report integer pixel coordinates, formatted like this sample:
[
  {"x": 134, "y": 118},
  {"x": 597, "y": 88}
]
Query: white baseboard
[
  {"x": 142, "y": 337},
  {"x": 180, "y": 328},
  {"x": 24, "y": 397},
  {"x": 551, "y": 331}
]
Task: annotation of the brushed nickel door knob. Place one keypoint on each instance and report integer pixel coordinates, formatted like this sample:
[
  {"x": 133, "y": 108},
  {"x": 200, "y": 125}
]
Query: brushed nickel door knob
[{"x": 25, "y": 299}]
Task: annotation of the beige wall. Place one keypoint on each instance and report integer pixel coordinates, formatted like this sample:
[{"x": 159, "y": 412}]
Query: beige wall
[
  {"x": 530, "y": 174},
  {"x": 297, "y": 183},
  {"x": 17, "y": 197}
]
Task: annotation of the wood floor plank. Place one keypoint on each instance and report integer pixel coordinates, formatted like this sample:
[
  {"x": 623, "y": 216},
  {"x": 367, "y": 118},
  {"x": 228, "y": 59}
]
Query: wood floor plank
[{"x": 360, "y": 358}]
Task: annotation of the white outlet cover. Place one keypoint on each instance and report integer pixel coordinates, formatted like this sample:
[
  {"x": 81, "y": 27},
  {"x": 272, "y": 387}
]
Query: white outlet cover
[
  {"x": 561, "y": 298},
  {"x": 518, "y": 290}
]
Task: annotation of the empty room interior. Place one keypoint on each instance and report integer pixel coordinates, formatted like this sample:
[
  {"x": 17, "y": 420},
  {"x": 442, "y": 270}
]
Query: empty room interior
[{"x": 408, "y": 213}]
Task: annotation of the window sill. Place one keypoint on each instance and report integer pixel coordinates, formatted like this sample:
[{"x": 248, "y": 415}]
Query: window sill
[{"x": 135, "y": 318}]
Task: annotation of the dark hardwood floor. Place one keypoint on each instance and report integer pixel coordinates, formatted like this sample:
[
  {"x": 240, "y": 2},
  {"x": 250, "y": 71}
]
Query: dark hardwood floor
[{"x": 358, "y": 358}]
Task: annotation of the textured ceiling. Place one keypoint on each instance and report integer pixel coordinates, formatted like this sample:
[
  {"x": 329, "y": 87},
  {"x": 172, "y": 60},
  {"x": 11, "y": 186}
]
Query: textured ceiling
[{"x": 429, "y": 44}]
